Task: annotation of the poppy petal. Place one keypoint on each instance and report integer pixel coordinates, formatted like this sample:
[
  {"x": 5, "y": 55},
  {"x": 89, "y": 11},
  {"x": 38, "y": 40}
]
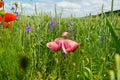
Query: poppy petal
[
  {"x": 9, "y": 17},
  {"x": 69, "y": 46},
  {"x": 59, "y": 41},
  {"x": 53, "y": 46}
]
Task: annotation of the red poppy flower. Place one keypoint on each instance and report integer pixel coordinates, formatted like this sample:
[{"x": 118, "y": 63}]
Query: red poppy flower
[
  {"x": 1, "y": 4},
  {"x": 67, "y": 45},
  {"x": 9, "y": 17}
]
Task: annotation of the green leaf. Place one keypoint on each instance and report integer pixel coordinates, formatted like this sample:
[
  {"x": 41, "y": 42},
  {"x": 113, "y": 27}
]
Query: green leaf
[{"x": 113, "y": 34}]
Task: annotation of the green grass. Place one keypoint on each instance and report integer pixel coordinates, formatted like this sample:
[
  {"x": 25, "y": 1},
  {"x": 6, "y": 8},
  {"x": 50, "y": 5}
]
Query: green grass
[{"x": 91, "y": 61}]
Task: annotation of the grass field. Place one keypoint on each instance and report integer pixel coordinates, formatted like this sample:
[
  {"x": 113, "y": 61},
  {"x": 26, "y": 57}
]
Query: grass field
[{"x": 25, "y": 56}]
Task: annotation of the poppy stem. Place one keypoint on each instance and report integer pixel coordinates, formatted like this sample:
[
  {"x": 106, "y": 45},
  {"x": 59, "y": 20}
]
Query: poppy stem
[{"x": 3, "y": 5}]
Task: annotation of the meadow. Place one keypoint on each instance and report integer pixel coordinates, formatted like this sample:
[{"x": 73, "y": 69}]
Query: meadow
[{"x": 25, "y": 56}]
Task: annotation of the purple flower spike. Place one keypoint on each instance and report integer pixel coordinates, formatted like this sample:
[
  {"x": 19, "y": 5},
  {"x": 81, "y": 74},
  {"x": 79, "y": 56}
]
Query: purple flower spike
[
  {"x": 17, "y": 14},
  {"x": 12, "y": 8},
  {"x": 52, "y": 24},
  {"x": 28, "y": 29},
  {"x": 71, "y": 29}
]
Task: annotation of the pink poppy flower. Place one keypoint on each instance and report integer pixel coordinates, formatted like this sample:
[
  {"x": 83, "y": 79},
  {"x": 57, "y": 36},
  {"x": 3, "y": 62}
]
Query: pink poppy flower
[
  {"x": 64, "y": 34},
  {"x": 53, "y": 46},
  {"x": 69, "y": 46},
  {"x": 59, "y": 41}
]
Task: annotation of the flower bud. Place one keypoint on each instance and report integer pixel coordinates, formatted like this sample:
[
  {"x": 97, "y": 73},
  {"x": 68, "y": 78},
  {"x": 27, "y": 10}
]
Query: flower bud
[
  {"x": 16, "y": 4},
  {"x": 2, "y": 12}
]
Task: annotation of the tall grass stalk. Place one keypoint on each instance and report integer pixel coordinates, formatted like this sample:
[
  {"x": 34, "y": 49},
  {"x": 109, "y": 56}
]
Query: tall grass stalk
[{"x": 35, "y": 7}]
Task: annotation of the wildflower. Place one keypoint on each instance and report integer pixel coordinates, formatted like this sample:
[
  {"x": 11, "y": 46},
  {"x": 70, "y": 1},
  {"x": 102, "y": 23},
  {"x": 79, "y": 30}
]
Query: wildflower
[
  {"x": 64, "y": 34},
  {"x": 9, "y": 17},
  {"x": 1, "y": 4},
  {"x": 52, "y": 24},
  {"x": 17, "y": 14},
  {"x": 12, "y": 8},
  {"x": 59, "y": 41},
  {"x": 71, "y": 29},
  {"x": 67, "y": 46},
  {"x": 53, "y": 46},
  {"x": 28, "y": 29}
]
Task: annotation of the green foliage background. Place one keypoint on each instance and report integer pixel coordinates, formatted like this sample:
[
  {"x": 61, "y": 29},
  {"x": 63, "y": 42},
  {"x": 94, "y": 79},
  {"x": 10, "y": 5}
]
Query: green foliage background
[{"x": 25, "y": 56}]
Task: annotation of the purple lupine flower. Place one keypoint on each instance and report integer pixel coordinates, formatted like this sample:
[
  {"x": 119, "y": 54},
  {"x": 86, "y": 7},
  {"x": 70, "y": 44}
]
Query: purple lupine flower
[
  {"x": 12, "y": 9},
  {"x": 28, "y": 29},
  {"x": 17, "y": 14},
  {"x": 71, "y": 29},
  {"x": 52, "y": 24}
]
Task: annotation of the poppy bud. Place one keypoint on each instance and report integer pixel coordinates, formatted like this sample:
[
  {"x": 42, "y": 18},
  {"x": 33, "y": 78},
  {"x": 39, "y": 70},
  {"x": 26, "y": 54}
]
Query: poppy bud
[
  {"x": 2, "y": 12},
  {"x": 64, "y": 34},
  {"x": 16, "y": 4}
]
